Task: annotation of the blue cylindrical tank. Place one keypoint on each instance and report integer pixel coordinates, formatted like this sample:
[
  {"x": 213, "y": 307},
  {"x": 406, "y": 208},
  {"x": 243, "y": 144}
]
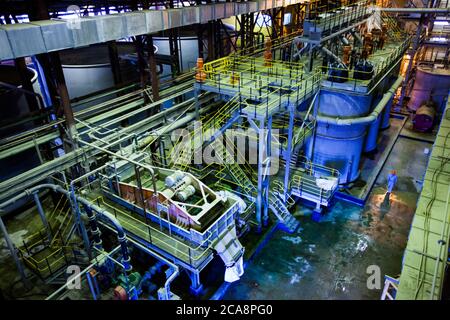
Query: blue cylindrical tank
[{"x": 338, "y": 146}]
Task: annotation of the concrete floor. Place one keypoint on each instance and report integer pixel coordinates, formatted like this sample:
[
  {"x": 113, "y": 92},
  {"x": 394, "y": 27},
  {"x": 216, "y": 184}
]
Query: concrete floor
[{"x": 329, "y": 260}]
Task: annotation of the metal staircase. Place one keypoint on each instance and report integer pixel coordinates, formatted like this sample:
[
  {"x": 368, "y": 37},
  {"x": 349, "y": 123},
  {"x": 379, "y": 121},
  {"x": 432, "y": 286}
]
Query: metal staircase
[
  {"x": 282, "y": 212},
  {"x": 292, "y": 163},
  {"x": 276, "y": 201},
  {"x": 209, "y": 131},
  {"x": 181, "y": 155},
  {"x": 235, "y": 171},
  {"x": 279, "y": 204},
  {"x": 45, "y": 256}
]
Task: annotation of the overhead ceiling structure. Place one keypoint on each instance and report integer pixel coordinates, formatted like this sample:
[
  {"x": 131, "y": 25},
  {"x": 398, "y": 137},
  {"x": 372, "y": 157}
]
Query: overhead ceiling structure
[{"x": 26, "y": 39}]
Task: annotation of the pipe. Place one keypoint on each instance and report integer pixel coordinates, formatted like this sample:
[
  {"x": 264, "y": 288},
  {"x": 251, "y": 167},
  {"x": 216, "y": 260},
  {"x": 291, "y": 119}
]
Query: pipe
[
  {"x": 331, "y": 55},
  {"x": 150, "y": 169},
  {"x": 172, "y": 126},
  {"x": 299, "y": 53},
  {"x": 42, "y": 215},
  {"x": 174, "y": 267},
  {"x": 366, "y": 119},
  {"x": 357, "y": 37},
  {"x": 77, "y": 276},
  {"x": 344, "y": 40},
  {"x": 29, "y": 192},
  {"x": 169, "y": 280},
  {"x": 121, "y": 236},
  {"x": 13, "y": 252},
  {"x": 94, "y": 228},
  {"x": 415, "y": 10}
]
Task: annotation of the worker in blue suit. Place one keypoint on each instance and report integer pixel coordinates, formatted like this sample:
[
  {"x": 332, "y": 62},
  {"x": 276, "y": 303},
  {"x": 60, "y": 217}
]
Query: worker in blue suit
[{"x": 392, "y": 180}]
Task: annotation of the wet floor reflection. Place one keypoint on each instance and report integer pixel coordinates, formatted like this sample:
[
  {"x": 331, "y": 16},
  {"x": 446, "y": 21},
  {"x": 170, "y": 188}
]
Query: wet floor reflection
[{"x": 329, "y": 260}]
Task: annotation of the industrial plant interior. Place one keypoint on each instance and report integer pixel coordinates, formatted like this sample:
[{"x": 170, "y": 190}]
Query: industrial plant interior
[{"x": 224, "y": 150}]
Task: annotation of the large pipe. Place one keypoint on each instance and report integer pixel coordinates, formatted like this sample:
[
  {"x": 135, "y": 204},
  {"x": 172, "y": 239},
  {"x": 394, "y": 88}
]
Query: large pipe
[
  {"x": 28, "y": 192},
  {"x": 332, "y": 55},
  {"x": 174, "y": 267},
  {"x": 121, "y": 236},
  {"x": 357, "y": 37},
  {"x": 180, "y": 122},
  {"x": 415, "y": 10},
  {"x": 366, "y": 119},
  {"x": 94, "y": 228}
]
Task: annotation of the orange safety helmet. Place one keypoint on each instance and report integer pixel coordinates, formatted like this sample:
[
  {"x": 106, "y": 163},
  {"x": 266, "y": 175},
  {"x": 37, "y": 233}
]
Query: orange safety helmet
[{"x": 394, "y": 172}]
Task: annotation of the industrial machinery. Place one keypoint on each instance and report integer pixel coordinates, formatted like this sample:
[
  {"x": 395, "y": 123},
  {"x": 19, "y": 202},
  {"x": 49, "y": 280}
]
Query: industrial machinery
[
  {"x": 185, "y": 169},
  {"x": 425, "y": 117}
]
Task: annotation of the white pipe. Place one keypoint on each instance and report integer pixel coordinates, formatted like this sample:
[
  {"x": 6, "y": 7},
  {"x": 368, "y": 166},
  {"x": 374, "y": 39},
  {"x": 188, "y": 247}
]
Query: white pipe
[
  {"x": 332, "y": 55},
  {"x": 366, "y": 119},
  {"x": 414, "y": 10}
]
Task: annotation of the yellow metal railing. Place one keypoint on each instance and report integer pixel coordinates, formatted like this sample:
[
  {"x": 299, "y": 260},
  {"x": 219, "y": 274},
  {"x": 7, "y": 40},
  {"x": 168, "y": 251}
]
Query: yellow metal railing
[
  {"x": 50, "y": 262},
  {"x": 272, "y": 83},
  {"x": 206, "y": 129},
  {"x": 373, "y": 77},
  {"x": 52, "y": 219},
  {"x": 142, "y": 229},
  {"x": 326, "y": 17}
]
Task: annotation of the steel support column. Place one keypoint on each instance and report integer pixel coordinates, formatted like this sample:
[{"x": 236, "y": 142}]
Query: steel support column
[
  {"x": 196, "y": 286},
  {"x": 260, "y": 196},
  {"x": 268, "y": 164},
  {"x": 412, "y": 53},
  {"x": 139, "y": 42},
  {"x": 288, "y": 152},
  {"x": 115, "y": 64},
  {"x": 200, "y": 41},
  {"x": 153, "y": 74},
  {"x": 13, "y": 252},
  {"x": 211, "y": 43},
  {"x": 64, "y": 97}
]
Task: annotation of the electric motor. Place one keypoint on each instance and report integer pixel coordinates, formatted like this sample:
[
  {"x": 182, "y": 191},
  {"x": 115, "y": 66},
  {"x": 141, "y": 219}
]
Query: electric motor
[
  {"x": 174, "y": 178},
  {"x": 184, "y": 194}
]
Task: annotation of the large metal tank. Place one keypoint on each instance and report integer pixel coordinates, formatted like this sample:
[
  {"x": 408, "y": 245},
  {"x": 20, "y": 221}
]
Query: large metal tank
[
  {"x": 13, "y": 102},
  {"x": 14, "y": 105},
  {"x": 430, "y": 84},
  {"x": 336, "y": 146},
  {"x": 88, "y": 70}
]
